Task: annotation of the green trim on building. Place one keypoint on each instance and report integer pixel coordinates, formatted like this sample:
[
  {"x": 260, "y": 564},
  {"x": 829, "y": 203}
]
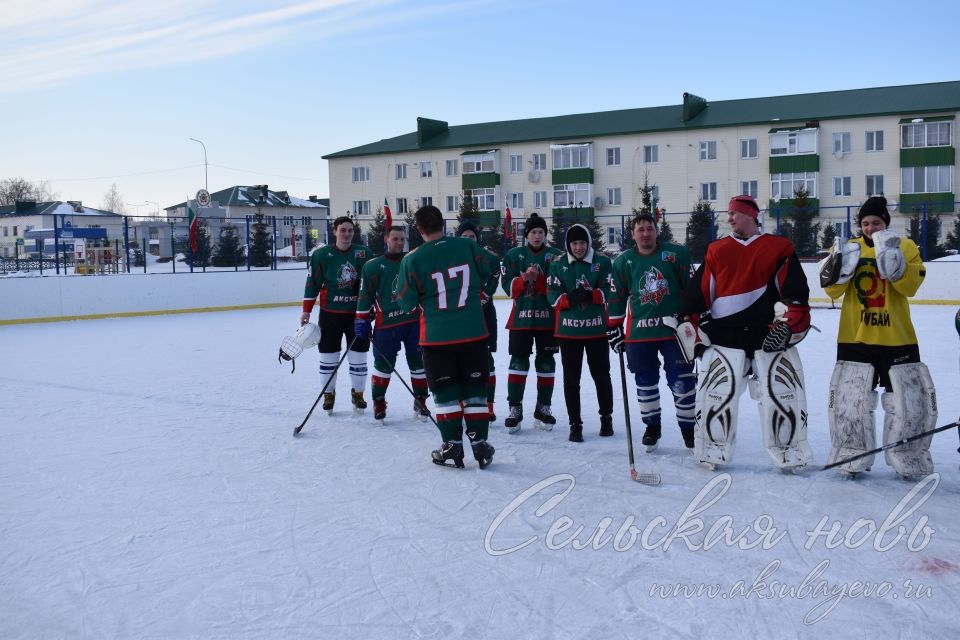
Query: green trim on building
[
  {"x": 488, "y": 219},
  {"x": 928, "y": 157},
  {"x": 569, "y": 216},
  {"x": 572, "y": 176},
  {"x": 794, "y": 164},
  {"x": 428, "y": 129},
  {"x": 936, "y": 202},
  {"x": 786, "y": 204},
  {"x": 480, "y": 180},
  {"x": 925, "y": 119}
]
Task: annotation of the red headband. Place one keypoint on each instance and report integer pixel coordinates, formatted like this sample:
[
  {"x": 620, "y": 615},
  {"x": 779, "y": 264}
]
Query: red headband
[{"x": 745, "y": 205}]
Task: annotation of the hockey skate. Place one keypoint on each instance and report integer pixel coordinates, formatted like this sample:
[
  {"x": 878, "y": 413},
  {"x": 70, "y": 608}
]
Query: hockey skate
[
  {"x": 651, "y": 437},
  {"x": 688, "y": 438},
  {"x": 483, "y": 452},
  {"x": 379, "y": 409},
  {"x": 576, "y": 432},
  {"x": 328, "y": 399},
  {"x": 420, "y": 411},
  {"x": 512, "y": 423},
  {"x": 359, "y": 404},
  {"x": 606, "y": 426},
  {"x": 543, "y": 418},
  {"x": 452, "y": 450}
]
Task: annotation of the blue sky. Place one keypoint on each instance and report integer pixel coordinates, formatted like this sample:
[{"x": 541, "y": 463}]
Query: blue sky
[{"x": 97, "y": 92}]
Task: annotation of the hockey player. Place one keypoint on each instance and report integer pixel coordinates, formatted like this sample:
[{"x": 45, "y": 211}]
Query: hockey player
[
  {"x": 876, "y": 273},
  {"x": 468, "y": 230},
  {"x": 335, "y": 277},
  {"x": 648, "y": 284},
  {"x": 394, "y": 326},
  {"x": 524, "y": 279},
  {"x": 730, "y": 319},
  {"x": 444, "y": 277},
  {"x": 578, "y": 287}
]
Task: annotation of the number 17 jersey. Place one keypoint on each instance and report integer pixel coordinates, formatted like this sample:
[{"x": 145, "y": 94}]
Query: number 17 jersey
[{"x": 444, "y": 278}]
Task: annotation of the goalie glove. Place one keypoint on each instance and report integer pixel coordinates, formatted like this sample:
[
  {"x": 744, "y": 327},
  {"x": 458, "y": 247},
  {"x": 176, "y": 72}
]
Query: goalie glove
[
  {"x": 308, "y": 335},
  {"x": 838, "y": 267},
  {"x": 788, "y": 329},
  {"x": 891, "y": 265},
  {"x": 615, "y": 338},
  {"x": 690, "y": 336}
]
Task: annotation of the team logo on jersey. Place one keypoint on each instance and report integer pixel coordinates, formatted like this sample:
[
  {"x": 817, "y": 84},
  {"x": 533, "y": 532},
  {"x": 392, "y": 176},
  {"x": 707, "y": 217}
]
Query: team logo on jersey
[
  {"x": 654, "y": 287},
  {"x": 346, "y": 276},
  {"x": 668, "y": 256},
  {"x": 359, "y": 253},
  {"x": 395, "y": 289},
  {"x": 583, "y": 283},
  {"x": 872, "y": 293},
  {"x": 549, "y": 257}
]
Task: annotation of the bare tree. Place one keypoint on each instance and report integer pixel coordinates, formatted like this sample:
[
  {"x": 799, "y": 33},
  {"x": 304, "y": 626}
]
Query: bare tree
[
  {"x": 14, "y": 189},
  {"x": 113, "y": 200}
]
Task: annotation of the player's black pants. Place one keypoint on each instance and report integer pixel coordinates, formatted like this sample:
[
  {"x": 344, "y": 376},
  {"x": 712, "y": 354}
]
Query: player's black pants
[{"x": 598, "y": 361}]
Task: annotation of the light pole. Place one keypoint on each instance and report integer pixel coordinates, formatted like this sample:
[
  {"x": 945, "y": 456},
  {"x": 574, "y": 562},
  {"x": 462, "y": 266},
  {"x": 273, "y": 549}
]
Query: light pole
[
  {"x": 206, "y": 185},
  {"x": 156, "y": 204}
]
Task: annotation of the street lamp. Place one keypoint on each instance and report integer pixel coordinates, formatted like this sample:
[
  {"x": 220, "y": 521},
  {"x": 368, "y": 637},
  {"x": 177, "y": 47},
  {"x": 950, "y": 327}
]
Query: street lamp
[
  {"x": 206, "y": 185},
  {"x": 156, "y": 204}
]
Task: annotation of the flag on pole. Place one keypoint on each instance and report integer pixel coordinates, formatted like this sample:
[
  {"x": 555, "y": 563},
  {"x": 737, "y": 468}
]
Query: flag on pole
[
  {"x": 386, "y": 212},
  {"x": 508, "y": 226},
  {"x": 193, "y": 221}
]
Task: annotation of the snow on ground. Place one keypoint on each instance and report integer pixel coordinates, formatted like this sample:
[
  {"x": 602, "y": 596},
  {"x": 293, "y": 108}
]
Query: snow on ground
[{"x": 151, "y": 488}]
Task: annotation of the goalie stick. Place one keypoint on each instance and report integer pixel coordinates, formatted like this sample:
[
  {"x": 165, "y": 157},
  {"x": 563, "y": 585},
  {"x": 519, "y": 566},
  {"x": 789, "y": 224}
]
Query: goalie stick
[
  {"x": 651, "y": 479},
  {"x": 902, "y": 441},
  {"x": 297, "y": 431}
]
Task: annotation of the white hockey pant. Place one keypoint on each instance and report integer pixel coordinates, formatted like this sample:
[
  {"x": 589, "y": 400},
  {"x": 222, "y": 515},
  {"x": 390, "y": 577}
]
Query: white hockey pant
[
  {"x": 911, "y": 408},
  {"x": 783, "y": 407},
  {"x": 721, "y": 380},
  {"x": 851, "y": 408}
]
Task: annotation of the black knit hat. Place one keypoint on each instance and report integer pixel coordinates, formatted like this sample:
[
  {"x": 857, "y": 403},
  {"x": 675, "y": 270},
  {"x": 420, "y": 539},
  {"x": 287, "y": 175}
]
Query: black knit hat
[
  {"x": 875, "y": 206},
  {"x": 466, "y": 225},
  {"x": 577, "y": 232},
  {"x": 534, "y": 222}
]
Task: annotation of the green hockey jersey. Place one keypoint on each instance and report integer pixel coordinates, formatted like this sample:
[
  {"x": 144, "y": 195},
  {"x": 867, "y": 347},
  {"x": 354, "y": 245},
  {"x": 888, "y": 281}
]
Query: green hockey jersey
[
  {"x": 531, "y": 309},
  {"x": 335, "y": 277},
  {"x": 378, "y": 299},
  {"x": 444, "y": 278},
  {"x": 648, "y": 288},
  {"x": 593, "y": 274}
]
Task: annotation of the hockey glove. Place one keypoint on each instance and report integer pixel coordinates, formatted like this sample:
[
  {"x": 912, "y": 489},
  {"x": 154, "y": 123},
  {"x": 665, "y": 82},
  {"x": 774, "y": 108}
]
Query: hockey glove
[
  {"x": 580, "y": 298},
  {"x": 690, "y": 335},
  {"x": 790, "y": 327},
  {"x": 838, "y": 267},
  {"x": 615, "y": 338},
  {"x": 891, "y": 264},
  {"x": 361, "y": 328}
]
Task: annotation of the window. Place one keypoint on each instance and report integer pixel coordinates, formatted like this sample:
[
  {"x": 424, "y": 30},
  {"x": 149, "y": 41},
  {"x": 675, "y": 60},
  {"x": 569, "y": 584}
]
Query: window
[
  {"x": 483, "y": 199},
  {"x": 14, "y": 229},
  {"x": 571, "y": 156},
  {"x": 841, "y": 142},
  {"x": 925, "y": 134},
  {"x": 655, "y": 192},
  {"x": 516, "y": 200},
  {"x": 480, "y": 163},
  {"x": 540, "y": 161},
  {"x": 651, "y": 153},
  {"x": 361, "y": 174},
  {"x": 571, "y": 195},
  {"x": 452, "y": 202},
  {"x": 708, "y": 150},
  {"x": 426, "y": 201},
  {"x": 516, "y": 163},
  {"x": 540, "y": 199},
  {"x": 874, "y": 185},
  {"x": 784, "y": 185},
  {"x": 749, "y": 188},
  {"x": 6, "y": 231},
  {"x": 453, "y": 168},
  {"x": 874, "y": 141},
  {"x": 748, "y": 148},
  {"x": 613, "y": 195},
  {"x": 361, "y": 207},
  {"x": 402, "y": 206},
  {"x": 426, "y": 169},
  {"x": 708, "y": 190},
  {"x": 401, "y": 172},
  {"x": 926, "y": 179},
  {"x": 613, "y": 236},
  {"x": 842, "y": 186},
  {"x": 788, "y": 143},
  {"x": 613, "y": 157}
]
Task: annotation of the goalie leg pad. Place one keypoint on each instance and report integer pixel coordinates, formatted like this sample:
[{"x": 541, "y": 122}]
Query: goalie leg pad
[
  {"x": 783, "y": 407},
  {"x": 850, "y": 411},
  {"x": 910, "y": 409},
  {"x": 721, "y": 381}
]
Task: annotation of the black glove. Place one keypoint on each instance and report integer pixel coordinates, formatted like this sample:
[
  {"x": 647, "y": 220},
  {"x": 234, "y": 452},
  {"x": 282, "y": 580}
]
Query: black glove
[
  {"x": 615, "y": 338},
  {"x": 580, "y": 298}
]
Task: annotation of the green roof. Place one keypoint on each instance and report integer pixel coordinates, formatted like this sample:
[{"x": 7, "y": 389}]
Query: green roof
[{"x": 903, "y": 100}]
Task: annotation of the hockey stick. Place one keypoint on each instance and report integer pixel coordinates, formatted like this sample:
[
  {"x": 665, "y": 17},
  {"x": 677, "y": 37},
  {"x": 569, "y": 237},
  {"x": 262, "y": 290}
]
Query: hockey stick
[
  {"x": 297, "y": 431},
  {"x": 642, "y": 478},
  {"x": 393, "y": 371},
  {"x": 891, "y": 445}
]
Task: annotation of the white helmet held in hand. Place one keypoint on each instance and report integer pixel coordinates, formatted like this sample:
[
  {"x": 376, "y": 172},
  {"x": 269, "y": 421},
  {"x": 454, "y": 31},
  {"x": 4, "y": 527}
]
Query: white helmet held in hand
[{"x": 308, "y": 335}]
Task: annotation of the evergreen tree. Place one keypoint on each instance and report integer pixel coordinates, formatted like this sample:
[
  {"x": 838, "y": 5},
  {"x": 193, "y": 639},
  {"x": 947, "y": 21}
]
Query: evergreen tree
[
  {"x": 468, "y": 211},
  {"x": 201, "y": 257},
  {"x": 828, "y": 236},
  {"x": 666, "y": 233},
  {"x": 558, "y": 229},
  {"x": 414, "y": 239},
  {"x": 260, "y": 245},
  {"x": 646, "y": 206},
  {"x": 700, "y": 230},
  {"x": 229, "y": 250},
  {"x": 139, "y": 260},
  {"x": 933, "y": 250},
  {"x": 376, "y": 236},
  {"x": 803, "y": 231},
  {"x": 596, "y": 234},
  {"x": 953, "y": 237}
]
